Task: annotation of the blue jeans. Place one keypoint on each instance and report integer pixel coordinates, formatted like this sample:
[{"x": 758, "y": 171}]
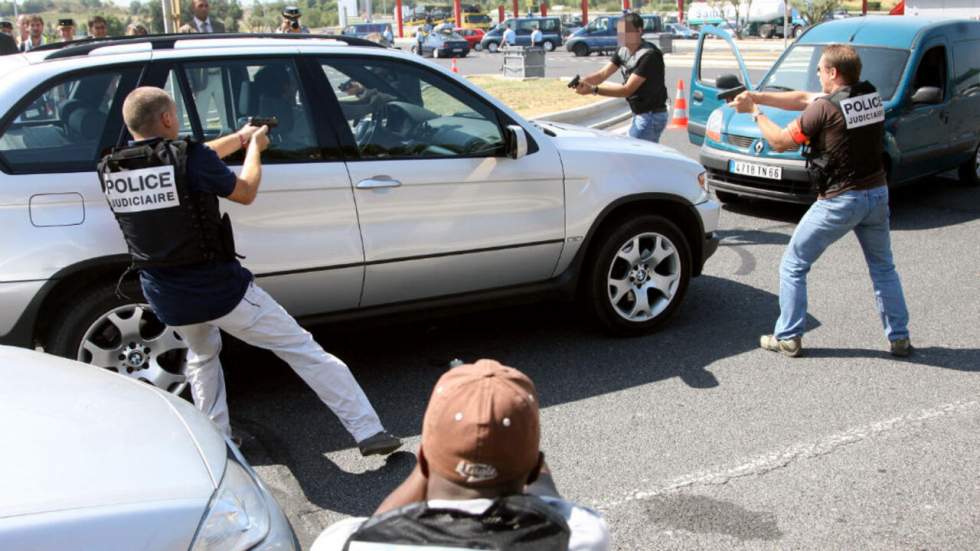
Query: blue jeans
[
  {"x": 648, "y": 126},
  {"x": 865, "y": 212}
]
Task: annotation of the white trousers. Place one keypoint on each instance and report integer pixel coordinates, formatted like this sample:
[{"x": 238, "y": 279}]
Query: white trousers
[{"x": 260, "y": 321}]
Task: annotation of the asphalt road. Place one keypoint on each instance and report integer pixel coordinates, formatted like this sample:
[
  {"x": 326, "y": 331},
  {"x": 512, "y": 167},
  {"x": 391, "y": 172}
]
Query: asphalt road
[{"x": 692, "y": 437}]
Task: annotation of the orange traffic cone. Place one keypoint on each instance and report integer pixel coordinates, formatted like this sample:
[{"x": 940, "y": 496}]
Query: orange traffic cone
[
  {"x": 453, "y": 67},
  {"x": 679, "y": 119}
]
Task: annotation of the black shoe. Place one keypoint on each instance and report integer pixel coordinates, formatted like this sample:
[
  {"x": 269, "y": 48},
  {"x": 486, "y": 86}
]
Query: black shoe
[
  {"x": 901, "y": 348},
  {"x": 379, "y": 444}
]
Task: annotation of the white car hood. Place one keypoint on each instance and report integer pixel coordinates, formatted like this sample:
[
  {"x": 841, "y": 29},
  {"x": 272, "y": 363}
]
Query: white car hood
[
  {"x": 74, "y": 435},
  {"x": 569, "y": 137}
]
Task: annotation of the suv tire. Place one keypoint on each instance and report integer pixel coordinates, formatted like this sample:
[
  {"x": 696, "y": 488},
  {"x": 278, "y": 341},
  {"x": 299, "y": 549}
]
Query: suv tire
[
  {"x": 492, "y": 47},
  {"x": 647, "y": 255},
  {"x": 970, "y": 170},
  {"x": 123, "y": 335},
  {"x": 581, "y": 50},
  {"x": 548, "y": 46}
]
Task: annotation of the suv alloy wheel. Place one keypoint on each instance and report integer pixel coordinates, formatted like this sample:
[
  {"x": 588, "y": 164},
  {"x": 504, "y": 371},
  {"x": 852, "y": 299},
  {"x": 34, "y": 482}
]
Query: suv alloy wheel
[
  {"x": 639, "y": 275},
  {"x": 123, "y": 335}
]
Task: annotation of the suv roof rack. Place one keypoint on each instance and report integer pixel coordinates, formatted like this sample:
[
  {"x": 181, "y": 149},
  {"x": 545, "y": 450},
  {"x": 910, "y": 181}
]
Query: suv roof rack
[{"x": 167, "y": 41}]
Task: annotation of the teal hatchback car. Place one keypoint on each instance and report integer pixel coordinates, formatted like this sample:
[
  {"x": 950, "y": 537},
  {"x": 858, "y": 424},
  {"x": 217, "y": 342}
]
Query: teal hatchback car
[{"x": 927, "y": 72}]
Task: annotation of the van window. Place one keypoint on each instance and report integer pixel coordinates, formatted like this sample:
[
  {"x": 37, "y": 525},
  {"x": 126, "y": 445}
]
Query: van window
[
  {"x": 931, "y": 70},
  {"x": 966, "y": 62},
  {"x": 62, "y": 127},
  {"x": 882, "y": 67},
  {"x": 550, "y": 25}
]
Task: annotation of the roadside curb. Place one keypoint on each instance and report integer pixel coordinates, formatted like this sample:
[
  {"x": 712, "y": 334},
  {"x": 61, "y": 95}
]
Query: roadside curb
[{"x": 601, "y": 114}]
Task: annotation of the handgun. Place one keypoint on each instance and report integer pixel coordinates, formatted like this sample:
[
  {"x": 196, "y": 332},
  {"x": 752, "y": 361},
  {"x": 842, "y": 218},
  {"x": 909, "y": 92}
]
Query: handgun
[
  {"x": 271, "y": 122},
  {"x": 574, "y": 82},
  {"x": 730, "y": 93}
]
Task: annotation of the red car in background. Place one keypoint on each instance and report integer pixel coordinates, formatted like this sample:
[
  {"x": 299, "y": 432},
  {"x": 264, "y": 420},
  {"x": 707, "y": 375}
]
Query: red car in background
[{"x": 472, "y": 36}]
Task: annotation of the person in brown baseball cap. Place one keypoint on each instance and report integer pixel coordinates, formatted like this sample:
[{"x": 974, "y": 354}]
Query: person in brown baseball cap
[{"x": 481, "y": 480}]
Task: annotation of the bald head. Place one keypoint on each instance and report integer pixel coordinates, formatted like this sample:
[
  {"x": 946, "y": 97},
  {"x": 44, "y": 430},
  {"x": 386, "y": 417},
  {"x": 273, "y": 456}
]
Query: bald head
[{"x": 147, "y": 111}]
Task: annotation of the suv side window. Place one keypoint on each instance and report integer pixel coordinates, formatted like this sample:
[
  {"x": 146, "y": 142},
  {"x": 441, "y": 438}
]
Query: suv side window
[
  {"x": 227, "y": 92},
  {"x": 398, "y": 110},
  {"x": 62, "y": 127}
]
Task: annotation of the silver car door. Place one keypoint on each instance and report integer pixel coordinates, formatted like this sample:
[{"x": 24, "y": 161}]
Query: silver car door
[
  {"x": 300, "y": 237},
  {"x": 442, "y": 211}
]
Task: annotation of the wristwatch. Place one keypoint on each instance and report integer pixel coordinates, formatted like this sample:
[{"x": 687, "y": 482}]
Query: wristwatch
[
  {"x": 756, "y": 114},
  {"x": 595, "y": 89}
]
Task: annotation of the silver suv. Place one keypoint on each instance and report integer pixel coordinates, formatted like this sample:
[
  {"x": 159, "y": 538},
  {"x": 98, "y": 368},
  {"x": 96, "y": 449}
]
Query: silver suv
[{"x": 391, "y": 184}]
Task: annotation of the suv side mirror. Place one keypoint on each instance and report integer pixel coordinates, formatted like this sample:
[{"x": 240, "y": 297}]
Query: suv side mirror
[
  {"x": 927, "y": 94},
  {"x": 516, "y": 141}
]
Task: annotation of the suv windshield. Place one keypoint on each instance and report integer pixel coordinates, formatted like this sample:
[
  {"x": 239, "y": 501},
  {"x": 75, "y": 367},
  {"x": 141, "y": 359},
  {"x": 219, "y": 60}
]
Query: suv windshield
[{"x": 798, "y": 69}]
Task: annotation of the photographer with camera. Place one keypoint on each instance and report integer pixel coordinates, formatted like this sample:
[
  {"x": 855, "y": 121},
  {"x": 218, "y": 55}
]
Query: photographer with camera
[
  {"x": 163, "y": 191},
  {"x": 290, "y": 22}
]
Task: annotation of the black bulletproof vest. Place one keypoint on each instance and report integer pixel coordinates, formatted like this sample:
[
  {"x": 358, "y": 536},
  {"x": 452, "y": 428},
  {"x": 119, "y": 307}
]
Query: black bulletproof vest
[
  {"x": 518, "y": 523},
  {"x": 165, "y": 223},
  {"x": 651, "y": 96},
  {"x": 858, "y": 156}
]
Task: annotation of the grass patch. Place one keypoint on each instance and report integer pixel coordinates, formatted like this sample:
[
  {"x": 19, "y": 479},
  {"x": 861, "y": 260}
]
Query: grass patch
[{"x": 533, "y": 97}]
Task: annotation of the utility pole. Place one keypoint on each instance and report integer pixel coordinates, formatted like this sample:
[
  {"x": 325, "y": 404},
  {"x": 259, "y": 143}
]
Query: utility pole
[
  {"x": 786, "y": 9},
  {"x": 168, "y": 20}
]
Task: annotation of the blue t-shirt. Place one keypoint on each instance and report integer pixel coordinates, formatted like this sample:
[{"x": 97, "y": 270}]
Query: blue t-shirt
[{"x": 202, "y": 292}]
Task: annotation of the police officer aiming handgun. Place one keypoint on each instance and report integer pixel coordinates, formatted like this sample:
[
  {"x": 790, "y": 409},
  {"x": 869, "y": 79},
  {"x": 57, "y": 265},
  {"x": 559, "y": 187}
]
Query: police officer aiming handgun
[
  {"x": 842, "y": 135},
  {"x": 642, "y": 66},
  {"x": 164, "y": 193}
]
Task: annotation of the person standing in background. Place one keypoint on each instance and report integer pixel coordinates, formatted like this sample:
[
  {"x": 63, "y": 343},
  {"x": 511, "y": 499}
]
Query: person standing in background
[
  {"x": 202, "y": 22},
  {"x": 24, "y": 28},
  {"x": 35, "y": 36},
  {"x": 66, "y": 30},
  {"x": 537, "y": 37},
  {"x": 98, "y": 27}
]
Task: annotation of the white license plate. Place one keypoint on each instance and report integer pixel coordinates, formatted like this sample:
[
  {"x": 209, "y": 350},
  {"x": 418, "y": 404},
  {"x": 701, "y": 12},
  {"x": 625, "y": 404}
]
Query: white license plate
[
  {"x": 757, "y": 170},
  {"x": 457, "y": 50}
]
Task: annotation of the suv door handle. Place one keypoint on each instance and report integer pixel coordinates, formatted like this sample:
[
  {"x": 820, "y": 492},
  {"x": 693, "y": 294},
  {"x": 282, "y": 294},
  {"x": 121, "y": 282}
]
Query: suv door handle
[
  {"x": 697, "y": 95},
  {"x": 378, "y": 183}
]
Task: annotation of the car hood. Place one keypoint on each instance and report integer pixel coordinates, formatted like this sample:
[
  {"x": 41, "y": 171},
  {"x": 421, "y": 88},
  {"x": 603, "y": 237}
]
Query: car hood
[
  {"x": 614, "y": 162},
  {"x": 77, "y": 436},
  {"x": 570, "y": 138},
  {"x": 741, "y": 124}
]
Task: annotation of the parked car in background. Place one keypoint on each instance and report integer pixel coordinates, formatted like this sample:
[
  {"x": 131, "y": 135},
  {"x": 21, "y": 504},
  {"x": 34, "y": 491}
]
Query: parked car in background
[
  {"x": 599, "y": 36},
  {"x": 681, "y": 31},
  {"x": 95, "y": 460},
  {"x": 380, "y": 33},
  {"x": 927, "y": 72},
  {"x": 473, "y": 37},
  {"x": 523, "y": 26},
  {"x": 390, "y": 185},
  {"x": 442, "y": 42},
  {"x": 479, "y": 21}
]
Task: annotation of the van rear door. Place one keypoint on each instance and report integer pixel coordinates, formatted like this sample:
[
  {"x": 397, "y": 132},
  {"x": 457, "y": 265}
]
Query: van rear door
[{"x": 726, "y": 66}]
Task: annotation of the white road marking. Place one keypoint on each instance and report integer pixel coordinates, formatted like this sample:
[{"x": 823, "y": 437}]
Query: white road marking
[{"x": 800, "y": 451}]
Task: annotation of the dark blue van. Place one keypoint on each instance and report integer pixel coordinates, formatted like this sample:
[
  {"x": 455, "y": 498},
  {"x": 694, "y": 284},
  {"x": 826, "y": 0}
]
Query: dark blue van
[
  {"x": 600, "y": 35},
  {"x": 523, "y": 27},
  {"x": 927, "y": 72}
]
